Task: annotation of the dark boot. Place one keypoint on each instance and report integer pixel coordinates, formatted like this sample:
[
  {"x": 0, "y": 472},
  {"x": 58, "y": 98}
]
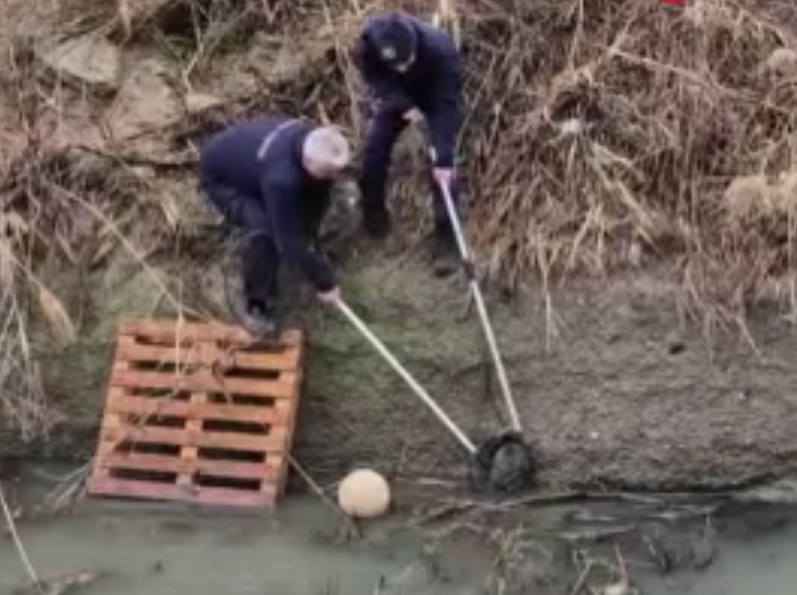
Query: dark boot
[
  {"x": 445, "y": 256},
  {"x": 260, "y": 286},
  {"x": 383, "y": 131},
  {"x": 376, "y": 222},
  {"x": 256, "y": 317},
  {"x": 259, "y": 320}
]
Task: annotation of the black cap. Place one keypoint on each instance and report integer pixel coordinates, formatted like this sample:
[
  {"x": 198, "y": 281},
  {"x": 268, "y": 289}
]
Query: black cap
[{"x": 393, "y": 38}]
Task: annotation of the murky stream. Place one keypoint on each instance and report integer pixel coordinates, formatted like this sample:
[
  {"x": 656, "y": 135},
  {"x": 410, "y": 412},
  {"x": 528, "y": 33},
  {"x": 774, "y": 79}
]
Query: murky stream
[
  {"x": 138, "y": 551},
  {"x": 764, "y": 565},
  {"x": 161, "y": 549},
  {"x": 167, "y": 550}
]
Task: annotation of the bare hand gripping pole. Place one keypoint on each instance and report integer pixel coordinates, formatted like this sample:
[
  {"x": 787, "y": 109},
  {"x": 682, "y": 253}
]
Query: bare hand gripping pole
[{"x": 477, "y": 296}]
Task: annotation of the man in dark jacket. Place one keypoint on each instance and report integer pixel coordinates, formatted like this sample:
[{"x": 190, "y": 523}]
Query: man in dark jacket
[
  {"x": 273, "y": 178},
  {"x": 413, "y": 70}
]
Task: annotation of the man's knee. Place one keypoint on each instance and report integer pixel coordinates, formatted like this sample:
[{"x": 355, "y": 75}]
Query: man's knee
[
  {"x": 261, "y": 261},
  {"x": 214, "y": 193},
  {"x": 238, "y": 209}
]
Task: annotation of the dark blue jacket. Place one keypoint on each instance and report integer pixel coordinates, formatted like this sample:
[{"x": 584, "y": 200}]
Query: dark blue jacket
[
  {"x": 294, "y": 201},
  {"x": 433, "y": 83}
]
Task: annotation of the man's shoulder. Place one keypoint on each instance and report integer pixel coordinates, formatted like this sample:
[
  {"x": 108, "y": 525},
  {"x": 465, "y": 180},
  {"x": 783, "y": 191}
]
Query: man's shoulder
[
  {"x": 283, "y": 174},
  {"x": 257, "y": 125},
  {"x": 437, "y": 39},
  {"x": 238, "y": 131}
]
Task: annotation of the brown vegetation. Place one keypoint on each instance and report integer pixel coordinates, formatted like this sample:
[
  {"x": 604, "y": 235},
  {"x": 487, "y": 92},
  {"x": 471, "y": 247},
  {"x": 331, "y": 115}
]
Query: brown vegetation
[{"x": 600, "y": 135}]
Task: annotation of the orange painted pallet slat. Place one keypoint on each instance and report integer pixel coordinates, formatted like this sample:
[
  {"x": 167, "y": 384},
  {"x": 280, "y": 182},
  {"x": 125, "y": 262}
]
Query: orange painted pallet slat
[
  {"x": 287, "y": 360},
  {"x": 179, "y": 465},
  {"x": 198, "y": 413},
  {"x": 204, "y": 381},
  {"x": 108, "y": 486},
  {"x": 164, "y": 407}
]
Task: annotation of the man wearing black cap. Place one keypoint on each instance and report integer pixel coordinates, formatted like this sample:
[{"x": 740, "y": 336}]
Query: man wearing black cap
[{"x": 413, "y": 70}]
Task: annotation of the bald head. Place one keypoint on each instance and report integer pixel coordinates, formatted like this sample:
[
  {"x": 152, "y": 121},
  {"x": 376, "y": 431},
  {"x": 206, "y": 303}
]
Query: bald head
[{"x": 325, "y": 152}]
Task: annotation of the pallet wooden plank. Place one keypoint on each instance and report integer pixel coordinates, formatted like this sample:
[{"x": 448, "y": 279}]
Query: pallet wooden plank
[
  {"x": 144, "y": 406},
  {"x": 244, "y": 413},
  {"x": 226, "y": 497},
  {"x": 278, "y": 389},
  {"x": 137, "y": 488},
  {"x": 236, "y": 469},
  {"x": 190, "y": 452},
  {"x": 168, "y": 331},
  {"x": 285, "y": 361},
  {"x": 273, "y": 442},
  {"x": 126, "y": 488},
  {"x": 145, "y": 462},
  {"x": 136, "y": 352},
  {"x": 291, "y": 410},
  {"x": 121, "y": 402},
  {"x": 207, "y": 351},
  {"x": 217, "y": 468},
  {"x": 133, "y": 351}
]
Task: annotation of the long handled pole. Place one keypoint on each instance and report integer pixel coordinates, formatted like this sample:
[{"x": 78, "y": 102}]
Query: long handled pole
[
  {"x": 477, "y": 296},
  {"x": 417, "y": 388}
]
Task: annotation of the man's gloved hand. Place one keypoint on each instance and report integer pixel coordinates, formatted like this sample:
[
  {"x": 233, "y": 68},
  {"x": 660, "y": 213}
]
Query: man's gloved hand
[
  {"x": 413, "y": 115},
  {"x": 444, "y": 175},
  {"x": 331, "y": 297}
]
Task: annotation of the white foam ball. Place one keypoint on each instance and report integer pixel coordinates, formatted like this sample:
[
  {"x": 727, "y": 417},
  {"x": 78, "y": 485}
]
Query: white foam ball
[{"x": 364, "y": 493}]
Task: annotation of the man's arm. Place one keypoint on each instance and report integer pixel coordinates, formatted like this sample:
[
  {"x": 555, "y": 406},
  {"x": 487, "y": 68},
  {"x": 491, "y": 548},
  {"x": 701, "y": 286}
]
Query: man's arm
[
  {"x": 281, "y": 201},
  {"x": 447, "y": 114},
  {"x": 378, "y": 80}
]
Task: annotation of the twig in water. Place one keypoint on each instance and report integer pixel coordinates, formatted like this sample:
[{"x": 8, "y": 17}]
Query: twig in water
[
  {"x": 69, "y": 489},
  {"x": 12, "y": 528},
  {"x": 582, "y": 578},
  {"x": 61, "y": 584},
  {"x": 350, "y": 526}
]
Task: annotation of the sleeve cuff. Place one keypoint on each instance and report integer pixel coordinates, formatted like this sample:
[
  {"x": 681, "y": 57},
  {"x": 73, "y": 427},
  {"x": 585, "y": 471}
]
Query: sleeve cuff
[{"x": 325, "y": 280}]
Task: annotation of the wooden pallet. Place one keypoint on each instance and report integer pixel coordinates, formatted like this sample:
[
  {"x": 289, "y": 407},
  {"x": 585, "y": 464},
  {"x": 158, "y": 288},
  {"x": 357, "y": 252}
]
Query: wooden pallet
[{"x": 207, "y": 418}]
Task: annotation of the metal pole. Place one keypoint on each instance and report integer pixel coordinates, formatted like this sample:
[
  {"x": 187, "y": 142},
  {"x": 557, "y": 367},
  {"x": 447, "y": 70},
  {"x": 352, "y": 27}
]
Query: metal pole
[
  {"x": 474, "y": 284},
  {"x": 417, "y": 388}
]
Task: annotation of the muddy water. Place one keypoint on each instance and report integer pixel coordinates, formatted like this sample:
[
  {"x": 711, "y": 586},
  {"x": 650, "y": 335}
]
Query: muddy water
[
  {"x": 157, "y": 550},
  {"x": 137, "y": 550},
  {"x": 161, "y": 549},
  {"x": 763, "y": 565}
]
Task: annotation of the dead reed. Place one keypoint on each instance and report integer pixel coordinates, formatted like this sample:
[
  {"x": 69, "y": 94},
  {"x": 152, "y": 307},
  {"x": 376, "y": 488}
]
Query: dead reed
[
  {"x": 599, "y": 136},
  {"x": 610, "y": 134}
]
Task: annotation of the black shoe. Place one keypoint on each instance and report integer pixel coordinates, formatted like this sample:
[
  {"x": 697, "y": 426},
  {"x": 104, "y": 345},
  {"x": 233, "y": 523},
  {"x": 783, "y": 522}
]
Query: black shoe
[
  {"x": 258, "y": 320},
  {"x": 376, "y": 222},
  {"x": 445, "y": 257}
]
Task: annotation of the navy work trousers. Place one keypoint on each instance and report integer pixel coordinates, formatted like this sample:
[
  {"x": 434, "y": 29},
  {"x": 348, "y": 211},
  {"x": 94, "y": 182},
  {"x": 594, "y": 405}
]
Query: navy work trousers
[
  {"x": 385, "y": 127},
  {"x": 259, "y": 253}
]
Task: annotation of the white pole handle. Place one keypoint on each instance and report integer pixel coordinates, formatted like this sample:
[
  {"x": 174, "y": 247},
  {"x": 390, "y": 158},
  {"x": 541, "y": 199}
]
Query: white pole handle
[
  {"x": 477, "y": 295},
  {"x": 417, "y": 388}
]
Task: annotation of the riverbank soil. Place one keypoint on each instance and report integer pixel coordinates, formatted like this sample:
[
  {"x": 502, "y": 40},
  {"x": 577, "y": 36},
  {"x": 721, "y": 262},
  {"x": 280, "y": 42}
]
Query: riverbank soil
[
  {"x": 625, "y": 395},
  {"x": 620, "y": 381},
  {"x": 629, "y": 174}
]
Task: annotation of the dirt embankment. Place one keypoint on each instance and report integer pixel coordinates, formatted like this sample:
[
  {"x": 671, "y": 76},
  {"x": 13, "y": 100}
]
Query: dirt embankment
[
  {"x": 625, "y": 392},
  {"x": 626, "y": 395}
]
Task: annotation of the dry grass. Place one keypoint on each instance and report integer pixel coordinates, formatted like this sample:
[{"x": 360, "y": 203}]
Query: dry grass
[
  {"x": 629, "y": 121},
  {"x": 55, "y": 203},
  {"x": 599, "y": 135}
]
